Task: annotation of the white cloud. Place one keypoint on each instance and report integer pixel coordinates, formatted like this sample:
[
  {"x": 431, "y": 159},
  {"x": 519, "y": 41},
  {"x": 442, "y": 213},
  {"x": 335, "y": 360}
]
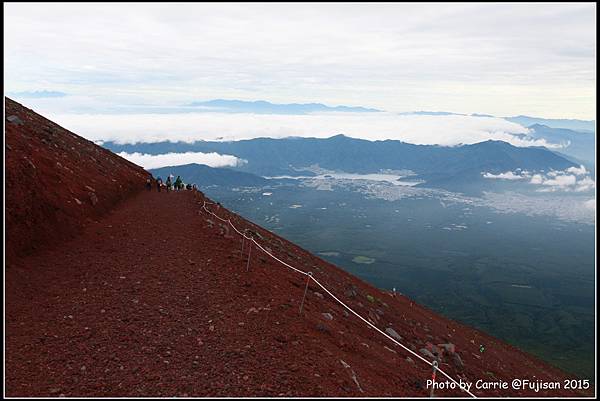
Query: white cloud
[
  {"x": 148, "y": 161},
  {"x": 561, "y": 181},
  {"x": 590, "y": 204},
  {"x": 537, "y": 179},
  {"x": 581, "y": 170},
  {"x": 586, "y": 184},
  {"x": 188, "y": 127},
  {"x": 575, "y": 179},
  {"x": 509, "y": 175}
]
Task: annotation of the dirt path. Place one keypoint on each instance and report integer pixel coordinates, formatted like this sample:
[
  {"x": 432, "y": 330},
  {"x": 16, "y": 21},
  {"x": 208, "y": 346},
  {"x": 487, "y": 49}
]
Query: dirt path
[
  {"x": 123, "y": 309},
  {"x": 146, "y": 302}
]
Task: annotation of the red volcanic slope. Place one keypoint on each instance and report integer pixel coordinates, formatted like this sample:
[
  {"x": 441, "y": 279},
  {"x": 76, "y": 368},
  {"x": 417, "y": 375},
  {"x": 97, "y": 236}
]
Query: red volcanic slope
[
  {"x": 153, "y": 299},
  {"x": 57, "y": 181}
]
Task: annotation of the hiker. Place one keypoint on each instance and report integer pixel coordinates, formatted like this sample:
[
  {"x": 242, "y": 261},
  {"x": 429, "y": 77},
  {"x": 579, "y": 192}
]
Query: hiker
[
  {"x": 169, "y": 183},
  {"x": 149, "y": 184},
  {"x": 178, "y": 183},
  {"x": 158, "y": 183}
]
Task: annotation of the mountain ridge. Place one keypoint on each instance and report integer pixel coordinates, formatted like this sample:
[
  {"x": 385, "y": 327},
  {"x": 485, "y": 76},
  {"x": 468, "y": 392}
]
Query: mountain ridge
[
  {"x": 287, "y": 156},
  {"x": 265, "y": 107}
]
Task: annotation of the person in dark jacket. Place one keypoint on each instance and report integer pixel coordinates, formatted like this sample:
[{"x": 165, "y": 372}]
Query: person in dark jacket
[{"x": 178, "y": 183}]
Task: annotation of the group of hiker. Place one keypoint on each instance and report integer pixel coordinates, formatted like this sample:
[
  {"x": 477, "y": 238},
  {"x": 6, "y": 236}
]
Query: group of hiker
[{"x": 169, "y": 185}]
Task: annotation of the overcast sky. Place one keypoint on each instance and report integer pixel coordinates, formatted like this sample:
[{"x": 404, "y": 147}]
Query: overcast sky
[{"x": 500, "y": 59}]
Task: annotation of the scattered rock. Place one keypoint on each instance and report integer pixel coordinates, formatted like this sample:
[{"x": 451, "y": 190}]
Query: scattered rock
[
  {"x": 31, "y": 164},
  {"x": 93, "y": 198},
  {"x": 409, "y": 360},
  {"x": 432, "y": 348},
  {"x": 327, "y": 316},
  {"x": 457, "y": 361},
  {"x": 448, "y": 347},
  {"x": 322, "y": 328},
  {"x": 15, "y": 120},
  {"x": 389, "y": 349},
  {"x": 392, "y": 333},
  {"x": 427, "y": 353},
  {"x": 77, "y": 201},
  {"x": 351, "y": 292},
  {"x": 352, "y": 375},
  {"x": 318, "y": 294}
]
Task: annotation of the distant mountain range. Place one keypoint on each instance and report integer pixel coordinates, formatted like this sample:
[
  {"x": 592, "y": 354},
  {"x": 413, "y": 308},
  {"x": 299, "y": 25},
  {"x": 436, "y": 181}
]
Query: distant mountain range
[
  {"x": 580, "y": 145},
  {"x": 441, "y": 113},
  {"x": 572, "y": 124},
  {"x": 576, "y": 125},
  {"x": 264, "y": 107},
  {"x": 438, "y": 165}
]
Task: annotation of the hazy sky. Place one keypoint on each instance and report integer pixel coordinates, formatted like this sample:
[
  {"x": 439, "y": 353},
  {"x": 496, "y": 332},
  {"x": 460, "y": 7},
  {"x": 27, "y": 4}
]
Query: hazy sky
[{"x": 500, "y": 59}]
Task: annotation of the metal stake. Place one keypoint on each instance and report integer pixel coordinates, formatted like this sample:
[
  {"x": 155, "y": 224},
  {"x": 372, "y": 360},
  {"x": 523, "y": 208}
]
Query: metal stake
[
  {"x": 435, "y": 365},
  {"x": 249, "y": 251},
  {"x": 308, "y": 276}
]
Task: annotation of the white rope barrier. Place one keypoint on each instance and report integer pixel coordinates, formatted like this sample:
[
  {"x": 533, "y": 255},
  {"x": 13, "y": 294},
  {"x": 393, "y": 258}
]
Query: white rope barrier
[{"x": 433, "y": 364}]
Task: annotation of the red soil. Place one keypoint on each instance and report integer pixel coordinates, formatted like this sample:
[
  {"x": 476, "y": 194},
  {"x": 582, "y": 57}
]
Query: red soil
[
  {"x": 153, "y": 299},
  {"x": 57, "y": 181}
]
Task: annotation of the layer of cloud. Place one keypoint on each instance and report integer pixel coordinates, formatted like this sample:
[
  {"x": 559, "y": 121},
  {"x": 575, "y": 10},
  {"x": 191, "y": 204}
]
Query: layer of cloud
[
  {"x": 572, "y": 179},
  {"x": 42, "y": 94},
  {"x": 177, "y": 159},
  {"x": 590, "y": 204},
  {"x": 566, "y": 207},
  {"x": 581, "y": 170},
  {"x": 447, "y": 130},
  {"x": 509, "y": 175},
  {"x": 452, "y": 57}
]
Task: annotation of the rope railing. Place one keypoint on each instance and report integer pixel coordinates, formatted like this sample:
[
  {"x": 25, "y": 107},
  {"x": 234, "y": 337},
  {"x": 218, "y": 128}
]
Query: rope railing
[{"x": 433, "y": 364}]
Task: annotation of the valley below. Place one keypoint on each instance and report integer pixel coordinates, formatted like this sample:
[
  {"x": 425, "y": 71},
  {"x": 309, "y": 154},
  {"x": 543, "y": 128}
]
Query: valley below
[{"x": 519, "y": 266}]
